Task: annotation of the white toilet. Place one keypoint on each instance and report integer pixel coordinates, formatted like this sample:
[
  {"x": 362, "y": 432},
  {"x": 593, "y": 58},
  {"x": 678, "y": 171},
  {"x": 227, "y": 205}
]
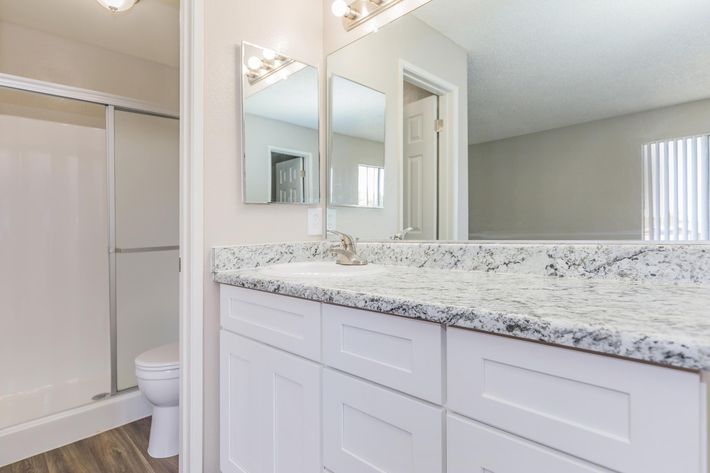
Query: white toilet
[{"x": 158, "y": 373}]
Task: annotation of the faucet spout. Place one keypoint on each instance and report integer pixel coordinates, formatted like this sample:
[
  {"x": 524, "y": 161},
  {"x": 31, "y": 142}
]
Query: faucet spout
[{"x": 347, "y": 251}]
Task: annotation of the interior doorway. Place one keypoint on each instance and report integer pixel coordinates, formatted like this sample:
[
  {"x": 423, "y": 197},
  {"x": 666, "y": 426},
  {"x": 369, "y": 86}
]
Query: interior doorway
[
  {"x": 420, "y": 216},
  {"x": 288, "y": 175},
  {"x": 430, "y": 159}
]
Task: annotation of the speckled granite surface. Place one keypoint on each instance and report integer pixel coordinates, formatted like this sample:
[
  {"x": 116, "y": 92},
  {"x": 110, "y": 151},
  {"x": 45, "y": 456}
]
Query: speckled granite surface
[
  {"x": 678, "y": 263},
  {"x": 644, "y": 302},
  {"x": 668, "y": 324}
]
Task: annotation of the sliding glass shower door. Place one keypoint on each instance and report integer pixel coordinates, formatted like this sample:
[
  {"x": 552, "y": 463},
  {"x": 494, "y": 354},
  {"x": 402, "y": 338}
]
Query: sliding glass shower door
[
  {"x": 88, "y": 249},
  {"x": 54, "y": 279},
  {"x": 146, "y": 182}
]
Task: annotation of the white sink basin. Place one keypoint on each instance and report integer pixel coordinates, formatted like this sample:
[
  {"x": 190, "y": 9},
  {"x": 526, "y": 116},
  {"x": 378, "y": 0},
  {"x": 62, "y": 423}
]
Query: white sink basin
[{"x": 319, "y": 269}]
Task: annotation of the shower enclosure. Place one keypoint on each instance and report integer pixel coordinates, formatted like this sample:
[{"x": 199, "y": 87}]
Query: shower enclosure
[{"x": 88, "y": 247}]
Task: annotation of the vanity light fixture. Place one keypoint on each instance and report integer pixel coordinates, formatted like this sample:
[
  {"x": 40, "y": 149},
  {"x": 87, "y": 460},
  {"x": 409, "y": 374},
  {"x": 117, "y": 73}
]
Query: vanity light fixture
[
  {"x": 116, "y": 6},
  {"x": 270, "y": 63},
  {"x": 341, "y": 9},
  {"x": 359, "y": 11}
]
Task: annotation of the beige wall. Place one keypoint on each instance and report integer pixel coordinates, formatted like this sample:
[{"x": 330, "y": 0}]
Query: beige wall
[
  {"x": 31, "y": 53},
  {"x": 578, "y": 182},
  {"x": 294, "y": 28}
]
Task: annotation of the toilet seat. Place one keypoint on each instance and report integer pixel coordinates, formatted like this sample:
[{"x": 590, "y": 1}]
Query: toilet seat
[{"x": 162, "y": 358}]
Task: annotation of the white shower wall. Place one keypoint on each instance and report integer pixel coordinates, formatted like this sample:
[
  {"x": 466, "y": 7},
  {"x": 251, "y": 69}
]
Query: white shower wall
[{"x": 54, "y": 287}]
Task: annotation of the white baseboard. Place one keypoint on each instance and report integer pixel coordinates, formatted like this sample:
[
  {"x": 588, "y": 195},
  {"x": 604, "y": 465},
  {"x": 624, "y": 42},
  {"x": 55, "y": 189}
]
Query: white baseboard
[{"x": 41, "y": 435}]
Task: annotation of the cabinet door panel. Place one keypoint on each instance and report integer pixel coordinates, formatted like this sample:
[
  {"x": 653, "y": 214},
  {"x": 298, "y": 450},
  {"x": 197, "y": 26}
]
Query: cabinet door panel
[
  {"x": 369, "y": 429},
  {"x": 288, "y": 323},
  {"x": 620, "y": 414},
  {"x": 400, "y": 353},
  {"x": 270, "y": 409},
  {"x": 243, "y": 434},
  {"x": 475, "y": 448}
]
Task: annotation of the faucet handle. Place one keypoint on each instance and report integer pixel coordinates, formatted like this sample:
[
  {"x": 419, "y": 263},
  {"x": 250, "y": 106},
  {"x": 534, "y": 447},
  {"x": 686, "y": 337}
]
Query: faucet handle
[{"x": 346, "y": 240}]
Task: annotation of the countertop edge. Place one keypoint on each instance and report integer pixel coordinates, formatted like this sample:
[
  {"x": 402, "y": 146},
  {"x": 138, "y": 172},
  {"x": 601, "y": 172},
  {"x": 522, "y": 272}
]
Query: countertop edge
[{"x": 596, "y": 340}]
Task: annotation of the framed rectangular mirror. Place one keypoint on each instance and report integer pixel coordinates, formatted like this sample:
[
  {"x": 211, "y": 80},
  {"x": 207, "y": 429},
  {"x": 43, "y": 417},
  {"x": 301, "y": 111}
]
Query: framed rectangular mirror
[
  {"x": 357, "y": 144},
  {"x": 518, "y": 120},
  {"x": 280, "y": 126}
]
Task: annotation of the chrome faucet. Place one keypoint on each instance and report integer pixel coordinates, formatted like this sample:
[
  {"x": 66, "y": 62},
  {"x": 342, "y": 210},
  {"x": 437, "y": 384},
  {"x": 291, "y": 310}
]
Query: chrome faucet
[
  {"x": 347, "y": 251},
  {"x": 403, "y": 234}
]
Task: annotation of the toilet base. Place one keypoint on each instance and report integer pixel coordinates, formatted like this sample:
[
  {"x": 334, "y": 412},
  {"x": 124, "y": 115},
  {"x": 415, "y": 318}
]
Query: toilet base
[{"x": 164, "y": 432}]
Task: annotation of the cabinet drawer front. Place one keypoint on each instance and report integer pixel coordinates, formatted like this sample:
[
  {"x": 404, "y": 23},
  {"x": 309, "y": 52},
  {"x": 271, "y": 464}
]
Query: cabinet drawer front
[
  {"x": 269, "y": 409},
  {"x": 620, "y": 414},
  {"x": 369, "y": 429},
  {"x": 475, "y": 447},
  {"x": 399, "y": 353},
  {"x": 284, "y": 322}
]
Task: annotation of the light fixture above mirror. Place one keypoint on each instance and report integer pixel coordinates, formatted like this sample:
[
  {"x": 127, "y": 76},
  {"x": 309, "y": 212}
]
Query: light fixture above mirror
[
  {"x": 116, "y": 6},
  {"x": 266, "y": 63},
  {"x": 359, "y": 11}
]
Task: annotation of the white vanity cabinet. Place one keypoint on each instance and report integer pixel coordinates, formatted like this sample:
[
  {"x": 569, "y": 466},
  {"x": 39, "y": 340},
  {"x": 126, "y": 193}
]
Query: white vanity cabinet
[
  {"x": 309, "y": 387},
  {"x": 623, "y": 415},
  {"x": 475, "y": 447},
  {"x": 371, "y": 429},
  {"x": 270, "y": 392},
  {"x": 270, "y": 408}
]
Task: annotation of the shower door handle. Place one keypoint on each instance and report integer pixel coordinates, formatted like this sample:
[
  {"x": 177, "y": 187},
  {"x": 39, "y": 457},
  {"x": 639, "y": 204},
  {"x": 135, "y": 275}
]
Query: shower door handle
[{"x": 145, "y": 249}]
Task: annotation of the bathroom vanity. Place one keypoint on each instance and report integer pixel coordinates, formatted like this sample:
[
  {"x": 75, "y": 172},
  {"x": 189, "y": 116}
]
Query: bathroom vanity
[
  {"x": 431, "y": 370},
  {"x": 477, "y": 121}
]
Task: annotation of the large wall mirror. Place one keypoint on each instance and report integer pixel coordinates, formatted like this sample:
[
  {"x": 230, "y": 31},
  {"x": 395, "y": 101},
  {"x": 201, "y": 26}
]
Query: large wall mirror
[
  {"x": 545, "y": 120},
  {"x": 280, "y": 128}
]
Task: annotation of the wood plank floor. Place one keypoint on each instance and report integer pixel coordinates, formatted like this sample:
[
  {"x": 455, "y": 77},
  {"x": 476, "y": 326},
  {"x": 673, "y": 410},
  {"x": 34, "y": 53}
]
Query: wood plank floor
[{"x": 121, "y": 450}]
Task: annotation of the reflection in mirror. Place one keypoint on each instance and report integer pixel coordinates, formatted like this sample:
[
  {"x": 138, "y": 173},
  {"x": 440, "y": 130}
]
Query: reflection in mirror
[
  {"x": 280, "y": 126},
  {"x": 357, "y": 144},
  {"x": 558, "y": 120}
]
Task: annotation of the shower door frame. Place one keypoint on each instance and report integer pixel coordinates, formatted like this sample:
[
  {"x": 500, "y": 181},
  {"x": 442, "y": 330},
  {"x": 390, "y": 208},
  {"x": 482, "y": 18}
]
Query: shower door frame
[{"x": 111, "y": 103}]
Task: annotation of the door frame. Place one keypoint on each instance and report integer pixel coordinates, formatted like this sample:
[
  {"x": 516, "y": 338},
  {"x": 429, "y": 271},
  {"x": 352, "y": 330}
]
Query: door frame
[
  {"x": 192, "y": 254},
  {"x": 448, "y": 207}
]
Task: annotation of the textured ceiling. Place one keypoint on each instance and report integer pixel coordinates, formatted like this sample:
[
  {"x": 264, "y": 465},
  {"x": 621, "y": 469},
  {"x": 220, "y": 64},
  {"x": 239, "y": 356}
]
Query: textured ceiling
[
  {"x": 536, "y": 65},
  {"x": 151, "y": 30}
]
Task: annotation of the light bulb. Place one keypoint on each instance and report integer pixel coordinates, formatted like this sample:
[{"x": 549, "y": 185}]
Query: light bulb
[
  {"x": 117, "y": 5},
  {"x": 340, "y": 8},
  {"x": 269, "y": 54},
  {"x": 254, "y": 63}
]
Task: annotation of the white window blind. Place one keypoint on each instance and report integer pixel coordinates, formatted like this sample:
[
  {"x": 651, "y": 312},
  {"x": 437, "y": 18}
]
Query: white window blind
[
  {"x": 676, "y": 191},
  {"x": 370, "y": 186}
]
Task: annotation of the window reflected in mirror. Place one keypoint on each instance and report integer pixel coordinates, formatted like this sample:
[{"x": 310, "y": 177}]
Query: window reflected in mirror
[{"x": 281, "y": 128}]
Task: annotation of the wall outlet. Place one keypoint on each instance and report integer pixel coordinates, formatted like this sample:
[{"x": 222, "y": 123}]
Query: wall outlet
[{"x": 315, "y": 221}]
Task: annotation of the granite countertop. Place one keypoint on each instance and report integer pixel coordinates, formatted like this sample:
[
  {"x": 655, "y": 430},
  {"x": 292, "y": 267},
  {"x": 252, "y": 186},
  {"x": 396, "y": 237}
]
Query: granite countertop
[{"x": 667, "y": 324}]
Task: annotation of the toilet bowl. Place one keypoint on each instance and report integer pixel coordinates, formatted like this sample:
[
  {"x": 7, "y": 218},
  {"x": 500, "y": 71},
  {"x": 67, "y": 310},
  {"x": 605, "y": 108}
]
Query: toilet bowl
[{"x": 158, "y": 373}]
